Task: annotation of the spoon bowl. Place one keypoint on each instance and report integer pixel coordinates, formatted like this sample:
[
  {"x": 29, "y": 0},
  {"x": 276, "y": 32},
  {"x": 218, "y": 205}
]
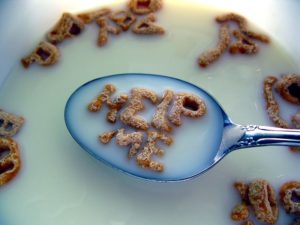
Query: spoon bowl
[{"x": 199, "y": 144}]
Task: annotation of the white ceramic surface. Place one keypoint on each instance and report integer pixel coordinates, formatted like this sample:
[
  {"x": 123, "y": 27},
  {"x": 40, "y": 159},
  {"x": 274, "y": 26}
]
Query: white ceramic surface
[{"x": 66, "y": 197}]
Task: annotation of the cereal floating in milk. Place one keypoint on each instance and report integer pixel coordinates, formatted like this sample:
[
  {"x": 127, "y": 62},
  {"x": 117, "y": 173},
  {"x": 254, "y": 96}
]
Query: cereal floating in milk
[{"x": 290, "y": 197}]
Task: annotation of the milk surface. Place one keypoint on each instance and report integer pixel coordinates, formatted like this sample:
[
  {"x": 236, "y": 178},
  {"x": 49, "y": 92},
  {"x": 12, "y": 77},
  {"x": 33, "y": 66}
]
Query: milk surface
[{"x": 60, "y": 184}]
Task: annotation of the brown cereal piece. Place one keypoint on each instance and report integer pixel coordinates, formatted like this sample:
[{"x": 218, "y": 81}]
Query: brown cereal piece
[
  {"x": 123, "y": 18},
  {"x": 9, "y": 160},
  {"x": 160, "y": 120},
  {"x": 135, "y": 104},
  {"x": 243, "y": 190},
  {"x": 272, "y": 105},
  {"x": 144, "y": 159},
  {"x": 240, "y": 20},
  {"x": 214, "y": 54},
  {"x": 240, "y": 212},
  {"x": 10, "y": 124},
  {"x": 296, "y": 120},
  {"x": 89, "y": 17},
  {"x": 104, "y": 30},
  {"x": 106, "y": 137},
  {"x": 115, "y": 106},
  {"x": 68, "y": 26},
  {"x": 296, "y": 222},
  {"x": 135, "y": 139},
  {"x": 187, "y": 104},
  {"x": 263, "y": 200},
  {"x": 45, "y": 54},
  {"x": 243, "y": 45},
  {"x": 260, "y": 37},
  {"x": 290, "y": 197},
  {"x": 97, "y": 103},
  {"x": 145, "y": 6},
  {"x": 289, "y": 88},
  {"x": 147, "y": 26},
  {"x": 247, "y": 222}
]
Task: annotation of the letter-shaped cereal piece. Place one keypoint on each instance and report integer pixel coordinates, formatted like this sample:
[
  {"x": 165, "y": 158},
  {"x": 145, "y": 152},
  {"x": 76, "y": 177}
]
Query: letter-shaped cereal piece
[
  {"x": 145, "y": 6},
  {"x": 97, "y": 103},
  {"x": 187, "y": 104},
  {"x": 114, "y": 107},
  {"x": 129, "y": 117},
  {"x": 160, "y": 120},
  {"x": 9, "y": 160},
  {"x": 147, "y": 26},
  {"x": 89, "y": 17},
  {"x": 123, "y": 18},
  {"x": 67, "y": 27},
  {"x": 45, "y": 54},
  {"x": 104, "y": 30},
  {"x": 290, "y": 197},
  {"x": 106, "y": 137},
  {"x": 10, "y": 124},
  {"x": 243, "y": 45},
  {"x": 135, "y": 139},
  {"x": 214, "y": 54},
  {"x": 263, "y": 200},
  {"x": 144, "y": 159},
  {"x": 289, "y": 88}
]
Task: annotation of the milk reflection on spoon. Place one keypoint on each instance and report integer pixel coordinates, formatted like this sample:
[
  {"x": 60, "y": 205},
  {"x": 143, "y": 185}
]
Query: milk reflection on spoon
[{"x": 198, "y": 143}]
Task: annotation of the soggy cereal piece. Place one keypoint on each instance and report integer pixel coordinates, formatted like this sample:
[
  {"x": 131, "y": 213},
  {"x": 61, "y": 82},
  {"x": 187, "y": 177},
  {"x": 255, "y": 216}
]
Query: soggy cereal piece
[
  {"x": 187, "y": 104},
  {"x": 147, "y": 26},
  {"x": 68, "y": 26},
  {"x": 160, "y": 120},
  {"x": 247, "y": 222},
  {"x": 135, "y": 104},
  {"x": 214, "y": 54},
  {"x": 240, "y": 212},
  {"x": 89, "y": 17},
  {"x": 272, "y": 105},
  {"x": 145, "y": 6},
  {"x": 233, "y": 17},
  {"x": 263, "y": 200},
  {"x": 106, "y": 137},
  {"x": 123, "y": 18},
  {"x": 45, "y": 54},
  {"x": 243, "y": 45},
  {"x": 243, "y": 190},
  {"x": 9, "y": 160},
  {"x": 144, "y": 159},
  {"x": 289, "y": 88},
  {"x": 104, "y": 30},
  {"x": 10, "y": 124},
  {"x": 97, "y": 103},
  {"x": 115, "y": 106},
  {"x": 290, "y": 197},
  {"x": 135, "y": 139}
]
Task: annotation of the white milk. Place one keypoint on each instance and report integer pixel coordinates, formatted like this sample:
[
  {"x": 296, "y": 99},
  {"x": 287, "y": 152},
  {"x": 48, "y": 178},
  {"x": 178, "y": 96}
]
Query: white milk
[
  {"x": 60, "y": 184},
  {"x": 195, "y": 142}
]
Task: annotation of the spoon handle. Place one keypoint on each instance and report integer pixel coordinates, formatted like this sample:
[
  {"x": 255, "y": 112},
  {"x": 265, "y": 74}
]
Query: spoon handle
[{"x": 255, "y": 136}]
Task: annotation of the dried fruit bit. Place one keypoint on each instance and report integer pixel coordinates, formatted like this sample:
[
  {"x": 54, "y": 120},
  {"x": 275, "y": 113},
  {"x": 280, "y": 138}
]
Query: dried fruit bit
[
  {"x": 243, "y": 189},
  {"x": 263, "y": 201},
  {"x": 147, "y": 26},
  {"x": 272, "y": 105},
  {"x": 213, "y": 55},
  {"x": 135, "y": 104},
  {"x": 187, "y": 104},
  {"x": 289, "y": 88},
  {"x": 123, "y": 18},
  {"x": 243, "y": 45},
  {"x": 9, "y": 160},
  {"x": 240, "y": 212},
  {"x": 115, "y": 106},
  {"x": 135, "y": 139},
  {"x": 144, "y": 159},
  {"x": 10, "y": 124},
  {"x": 248, "y": 222},
  {"x": 290, "y": 197},
  {"x": 45, "y": 54},
  {"x": 104, "y": 30},
  {"x": 68, "y": 26},
  {"x": 144, "y": 6},
  {"x": 106, "y": 137},
  {"x": 240, "y": 20},
  {"x": 89, "y": 17},
  {"x": 97, "y": 103},
  {"x": 160, "y": 120}
]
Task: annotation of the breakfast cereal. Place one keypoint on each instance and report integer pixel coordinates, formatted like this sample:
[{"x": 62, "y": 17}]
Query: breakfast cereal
[
  {"x": 240, "y": 20},
  {"x": 243, "y": 190},
  {"x": 289, "y": 88},
  {"x": 89, "y": 17},
  {"x": 10, "y": 124},
  {"x": 144, "y": 6},
  {"x": 240, "y": 212},
  {"x": 123, "y": 18},
  {"x": 104, "y": 30},
  {"x": 243, "y": 45},
  {"x": 290, "y": 197},
  {"x": 97, "y": 103},
  {"x": 106, "y": 137},
  {"x": 147, "y": 26},
  {"x": 115, "y": 106}
]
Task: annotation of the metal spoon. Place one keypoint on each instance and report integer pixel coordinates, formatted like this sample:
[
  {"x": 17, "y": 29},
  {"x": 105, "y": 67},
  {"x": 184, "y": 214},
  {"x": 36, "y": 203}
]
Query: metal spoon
[{"x": 196, "y": 158}]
